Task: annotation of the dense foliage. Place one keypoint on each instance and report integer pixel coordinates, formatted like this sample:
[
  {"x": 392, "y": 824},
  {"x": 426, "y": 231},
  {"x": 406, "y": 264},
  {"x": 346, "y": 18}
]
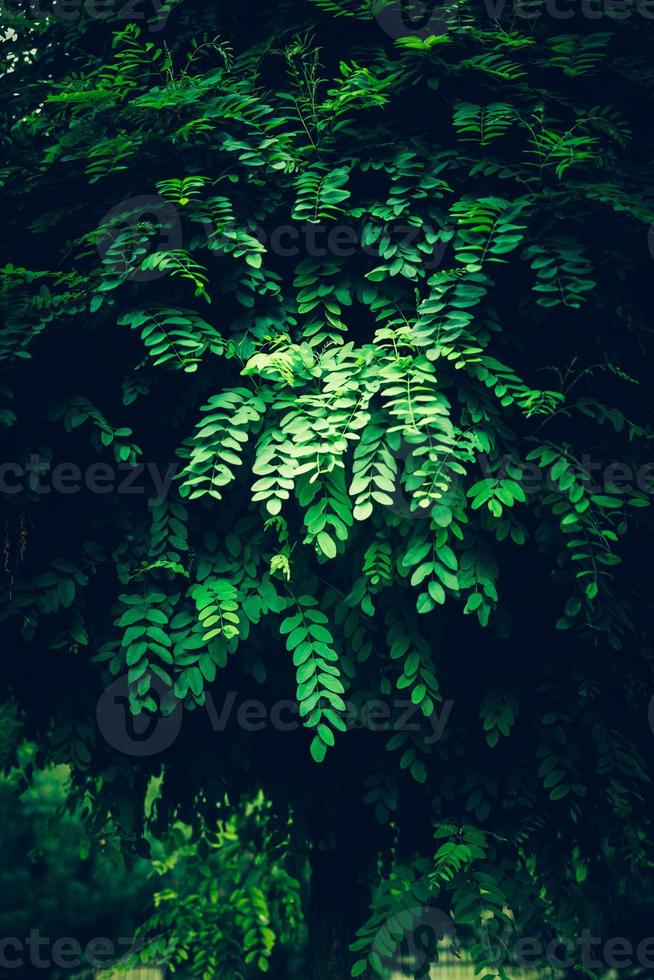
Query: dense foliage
[
  {"x": 355, "y": 318},
  {"x": 229, "y": 904},
  {"x": 67, "y": 893}
]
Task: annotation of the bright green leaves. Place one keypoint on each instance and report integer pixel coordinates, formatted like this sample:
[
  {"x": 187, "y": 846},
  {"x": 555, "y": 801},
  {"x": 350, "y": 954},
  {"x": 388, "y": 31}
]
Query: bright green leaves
[
  {"x": 561, "y": 149},
  {"x": 374, "y": 472},
  {"x": 175, "y": 338},
  {"x": 510, "y": 389},
  {"x": 322, "y": 292},
  {"x": 253, "y": 917},
  {"x": 314, "y": 436},
  {"x": 478, "y": 572},
  {"x": 178, "y": 262},
  {"x": 219, "y": 440},
  {"x": 320, "y": 192},
  {"x": 435, "y": 566},
  {"x": 377, "y": 564},
  {"x": 413, "y": 399},
  {"x": 327, "y": 511},
  {"x": 496, "y": 493},
  {"x": 218, "y": 608},
  {"x": 284, "y": 363},
  {"x": 321, "y": 428},
  {"x": 483, "y": 124},
  {"x": 135, "y": 59},
  {"x": 244, "y": 902},
  {"x": 196, "y": 660},
  {"x": 182, "y": 191},
  {"x": 377, "y": 394},
  {"x": 410, "y": 250},
  {"x": 433, "y": 469},
  {"x": 446, "y": 314},
  {"x": 277, "y": 469},
  {"x": 145, "y": 645},
  {"x": 487, "y": 229},
  {"x": 319, "y": 685}
]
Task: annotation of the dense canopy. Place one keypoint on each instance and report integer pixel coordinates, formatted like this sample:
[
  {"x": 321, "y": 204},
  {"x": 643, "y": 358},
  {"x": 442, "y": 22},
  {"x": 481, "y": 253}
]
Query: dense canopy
[{"x": 327, "y": 347}]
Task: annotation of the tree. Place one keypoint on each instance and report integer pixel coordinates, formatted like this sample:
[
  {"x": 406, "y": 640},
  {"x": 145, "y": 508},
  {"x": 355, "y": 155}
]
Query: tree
[{"x": 376, "y": 279}]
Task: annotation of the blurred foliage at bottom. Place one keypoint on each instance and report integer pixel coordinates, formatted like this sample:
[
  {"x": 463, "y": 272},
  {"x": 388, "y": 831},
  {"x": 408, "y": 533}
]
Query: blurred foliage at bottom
[
  {"x": 69, "y": 905},
  {"x": 59, "y": 892}
]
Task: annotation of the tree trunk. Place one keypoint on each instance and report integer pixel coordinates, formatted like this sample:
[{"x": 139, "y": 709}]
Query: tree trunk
[
  {"x": 338, "y": 905},
  {"x": 330, "y": 918}
]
